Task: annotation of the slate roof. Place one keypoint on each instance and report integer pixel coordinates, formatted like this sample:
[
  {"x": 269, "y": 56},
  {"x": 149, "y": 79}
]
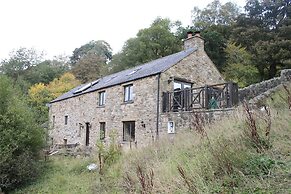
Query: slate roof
[{"x": 151, "y": 68}]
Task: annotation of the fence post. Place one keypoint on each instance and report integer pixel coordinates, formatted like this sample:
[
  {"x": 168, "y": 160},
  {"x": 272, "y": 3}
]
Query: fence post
[{"x": 206, "y": 100}]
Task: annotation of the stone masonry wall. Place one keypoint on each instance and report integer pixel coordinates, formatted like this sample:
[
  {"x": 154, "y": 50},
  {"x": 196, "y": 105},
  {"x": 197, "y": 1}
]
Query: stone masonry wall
[
  {"x": 84, "y": 108},
  {"x": 259, "y": 88},
  {"x": 185, "y": 120},
  {"x": 196, "y": 68}
]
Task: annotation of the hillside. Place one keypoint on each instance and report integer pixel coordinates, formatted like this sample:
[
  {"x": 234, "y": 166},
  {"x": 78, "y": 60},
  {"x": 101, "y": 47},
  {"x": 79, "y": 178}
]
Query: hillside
[{"x": 249, "y": 152}]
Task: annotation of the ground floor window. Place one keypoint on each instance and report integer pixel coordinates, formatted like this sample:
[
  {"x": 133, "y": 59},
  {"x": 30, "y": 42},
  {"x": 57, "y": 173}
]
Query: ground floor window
[
  {"x": 102, "y": 130},
  {"x": 128, "y": 131}
]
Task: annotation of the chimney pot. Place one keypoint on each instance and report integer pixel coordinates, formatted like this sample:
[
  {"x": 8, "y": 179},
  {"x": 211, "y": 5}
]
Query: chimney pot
[
  {"x": 189, "y": 34},
  {"x": 197, "y": 33}
]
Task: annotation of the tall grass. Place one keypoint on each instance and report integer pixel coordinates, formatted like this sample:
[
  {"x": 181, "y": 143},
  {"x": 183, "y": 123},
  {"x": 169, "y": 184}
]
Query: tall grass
[{"x": 248, "y": 152}]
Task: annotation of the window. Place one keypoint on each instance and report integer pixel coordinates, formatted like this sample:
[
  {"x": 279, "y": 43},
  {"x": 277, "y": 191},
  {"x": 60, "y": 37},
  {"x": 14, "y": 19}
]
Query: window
[
  {"x": 66, "y": 119},
  {"x": 178, "y": 85},
  {"x": 128, "y": 93},
  {"x": 128, "y": 131},
  {"x": 54, "y": 120},
  {"x": 102, "y": 96},
  {"x": 102, "y": 130}
]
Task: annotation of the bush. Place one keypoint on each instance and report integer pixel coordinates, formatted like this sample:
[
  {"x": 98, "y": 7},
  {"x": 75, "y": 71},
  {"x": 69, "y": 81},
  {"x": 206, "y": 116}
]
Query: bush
[{"x": 20, "y": 138}]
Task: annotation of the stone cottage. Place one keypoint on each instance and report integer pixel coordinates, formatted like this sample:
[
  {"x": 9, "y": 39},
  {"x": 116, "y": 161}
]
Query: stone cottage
[{"x": 140, "y": 104}]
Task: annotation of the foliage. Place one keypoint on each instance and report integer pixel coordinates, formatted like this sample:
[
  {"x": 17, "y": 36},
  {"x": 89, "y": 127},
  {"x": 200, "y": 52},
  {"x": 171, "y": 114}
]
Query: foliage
[
  {"x": 151, "y": 43},
  {"x": 90, "y": 68},
  {"x": 41, "y": 94},
  {"x": 99, "y": 48},
  {"x": 264, "y": 31},
  {"x": 89, "y": 62},
  {"x": 214, "y": 14},
  {"x": 239, "y": 66},
  {"x": 20, "y": 60},
  {"x": 20, "y": 138}
]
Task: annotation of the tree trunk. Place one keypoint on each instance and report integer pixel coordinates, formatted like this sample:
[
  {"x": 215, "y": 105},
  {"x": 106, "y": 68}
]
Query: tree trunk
[{"x": 272, "y": 70}]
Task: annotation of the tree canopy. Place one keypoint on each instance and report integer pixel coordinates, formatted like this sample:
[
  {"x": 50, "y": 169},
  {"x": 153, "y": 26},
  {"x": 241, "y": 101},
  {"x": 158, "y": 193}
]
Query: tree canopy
[
  {"x": 157, "y": 41},
  {"x": 20, "y": 137}
]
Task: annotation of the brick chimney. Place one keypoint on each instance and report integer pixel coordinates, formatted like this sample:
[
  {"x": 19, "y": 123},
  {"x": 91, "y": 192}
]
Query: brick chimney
[{"x": 195, "y": 41}]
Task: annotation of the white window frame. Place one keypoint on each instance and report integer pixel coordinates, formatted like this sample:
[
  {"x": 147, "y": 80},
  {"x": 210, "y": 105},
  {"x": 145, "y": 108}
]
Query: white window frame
[
  {"x": 128, "y": 93},
  {"x": 102, "y": 98}
]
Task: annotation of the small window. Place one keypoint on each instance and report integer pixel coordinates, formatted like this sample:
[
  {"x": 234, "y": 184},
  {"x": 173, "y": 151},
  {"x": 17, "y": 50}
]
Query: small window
[
  {"x": 102, "y": 130},
  {"x": 128, "y": 93},
  {"x": 129, "y": 131},
  {"x": 102, "y": 96},
  {"x": 66, "y": 119},
  {"x": 53, "y": 121}
]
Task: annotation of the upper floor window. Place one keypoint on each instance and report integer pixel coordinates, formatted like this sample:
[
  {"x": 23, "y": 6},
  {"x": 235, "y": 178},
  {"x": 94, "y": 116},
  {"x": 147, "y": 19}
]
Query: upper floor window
[
  {"x": 102, "y": 96},
  {"x": 66, "y": 119},
  {"x": 179, "y": 85},
  {"x": 128, "y": 93}
]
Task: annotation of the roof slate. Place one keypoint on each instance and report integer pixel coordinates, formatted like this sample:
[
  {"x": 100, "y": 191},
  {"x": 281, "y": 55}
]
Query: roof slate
[{"x": 151, "y": 68}]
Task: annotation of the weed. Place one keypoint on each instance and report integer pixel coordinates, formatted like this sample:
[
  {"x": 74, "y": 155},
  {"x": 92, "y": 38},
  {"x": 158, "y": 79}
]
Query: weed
[
  {"x": 187, "y": 180},
  {"x": 252, "y": 130}
]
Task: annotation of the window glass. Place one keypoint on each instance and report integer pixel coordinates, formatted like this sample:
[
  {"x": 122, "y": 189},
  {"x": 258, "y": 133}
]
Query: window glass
[
  {"x": 128, "y": 93},
  {"x": 102, "y": 96},
  {"x": 102, "y": 130},
  {"x": 181, "y": 85},
  {"x": 129, "y": 131},
  {"x": 66, "y": 119}
]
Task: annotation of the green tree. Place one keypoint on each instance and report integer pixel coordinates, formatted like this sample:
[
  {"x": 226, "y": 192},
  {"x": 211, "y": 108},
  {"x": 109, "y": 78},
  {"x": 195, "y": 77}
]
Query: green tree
[
  {"x": 157, "y": 41},
  {"x": 215, "y": 13},
  {"x": 265, "y": 31},
  {"x": 239, "y": 67},
  {"x": 99, "y": 48},
  {"x": 215, "y": 22},
  {"x": 20, "y": 61},
  {"x": 20, "y": 138},
  {"x": 89, "y": 62}
]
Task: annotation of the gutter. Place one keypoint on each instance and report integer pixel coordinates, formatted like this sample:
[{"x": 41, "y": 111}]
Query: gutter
[{"x": 158, "y": 107}]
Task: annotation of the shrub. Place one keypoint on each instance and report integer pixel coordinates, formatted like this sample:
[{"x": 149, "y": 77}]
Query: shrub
[{"x": 20, "y": 138}]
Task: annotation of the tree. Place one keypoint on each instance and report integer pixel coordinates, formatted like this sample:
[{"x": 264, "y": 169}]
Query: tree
[
  {"x": 157, "y": 41},
  {"x": 215, "y": 14},
  {"x": 239, "y": 67},
  {"x": 41, "y": 94},
  {"x": 215, "y": 21},
  {"x": 45, "y": 72},
  {"x": 99, "y": 48},
  {"x": 89, "y": 62},
  {"x": 265, "y": 31},
  {"x": 20, "y": 138},
  {"x": 20, "y": 61}
]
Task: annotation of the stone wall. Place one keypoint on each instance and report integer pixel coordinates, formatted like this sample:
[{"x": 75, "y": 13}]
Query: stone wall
[
  {"x": 185, "y": 120},
  {"x": 254, "y": 90}
]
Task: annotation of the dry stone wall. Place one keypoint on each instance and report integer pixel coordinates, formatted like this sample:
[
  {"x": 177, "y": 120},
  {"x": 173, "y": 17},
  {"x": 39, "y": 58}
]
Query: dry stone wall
[{"x": 258, "y": 89}]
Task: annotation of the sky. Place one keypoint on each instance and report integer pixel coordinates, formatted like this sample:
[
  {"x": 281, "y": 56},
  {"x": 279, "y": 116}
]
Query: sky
[{"x": 57, "y": 27}]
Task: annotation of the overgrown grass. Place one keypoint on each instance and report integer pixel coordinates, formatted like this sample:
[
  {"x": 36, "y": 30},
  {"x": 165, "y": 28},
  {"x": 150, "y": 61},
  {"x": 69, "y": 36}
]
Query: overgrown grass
[
  {"x": 229, "y": 156},
  {"x": 64, "y": 175}
]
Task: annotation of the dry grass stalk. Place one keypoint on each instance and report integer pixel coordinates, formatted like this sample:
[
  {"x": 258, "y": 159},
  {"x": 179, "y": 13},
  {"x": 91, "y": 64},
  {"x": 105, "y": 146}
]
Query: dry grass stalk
[
  {"x": 145, "y": 180},
  {"x": 188, "y": 182}
]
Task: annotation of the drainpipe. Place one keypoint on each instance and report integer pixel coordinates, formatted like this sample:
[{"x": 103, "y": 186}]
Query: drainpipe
[{"x": 158, "y": 107}]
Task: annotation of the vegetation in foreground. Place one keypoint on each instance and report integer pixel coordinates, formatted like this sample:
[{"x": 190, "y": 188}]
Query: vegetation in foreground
[{"x": 246, "y": 153}]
